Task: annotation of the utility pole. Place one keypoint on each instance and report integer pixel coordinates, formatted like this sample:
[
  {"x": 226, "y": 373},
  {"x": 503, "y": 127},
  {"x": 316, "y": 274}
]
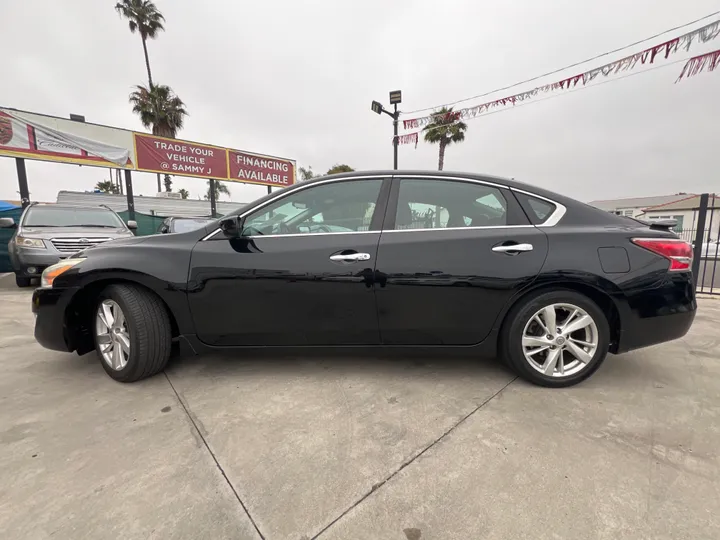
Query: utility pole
[
  {"x": 22, "y": 182},
  {"x": 376, "y": 106}
]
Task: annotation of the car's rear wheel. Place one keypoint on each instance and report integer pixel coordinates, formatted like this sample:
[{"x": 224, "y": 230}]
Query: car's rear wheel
[
  {"x": 555, "y": 338},
  {"x": 22, "y": 281},
  {"x": 132, "y": 332}
]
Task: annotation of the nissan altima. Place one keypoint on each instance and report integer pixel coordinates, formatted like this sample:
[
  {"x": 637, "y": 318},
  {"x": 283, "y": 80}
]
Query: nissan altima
[{"x": 456, "y": 263}]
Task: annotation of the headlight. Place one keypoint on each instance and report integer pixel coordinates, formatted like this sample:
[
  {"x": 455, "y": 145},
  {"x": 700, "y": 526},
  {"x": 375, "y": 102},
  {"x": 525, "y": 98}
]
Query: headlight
[
  {"x": 24, "y": 241},
  {"x": 51, "y": 272}
]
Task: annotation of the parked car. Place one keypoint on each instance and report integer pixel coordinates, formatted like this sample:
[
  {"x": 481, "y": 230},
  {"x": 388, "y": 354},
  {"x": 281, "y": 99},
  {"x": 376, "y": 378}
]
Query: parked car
[
  {"x": 48, "y": 233},
  {"x": 182, "y": 224},
  {"x": 453, "y": 263}
]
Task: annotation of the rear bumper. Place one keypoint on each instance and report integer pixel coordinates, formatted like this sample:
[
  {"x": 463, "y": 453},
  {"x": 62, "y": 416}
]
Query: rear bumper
[
  {"x": 659, "y": 314},
  {"x": 51, "y": 331}
]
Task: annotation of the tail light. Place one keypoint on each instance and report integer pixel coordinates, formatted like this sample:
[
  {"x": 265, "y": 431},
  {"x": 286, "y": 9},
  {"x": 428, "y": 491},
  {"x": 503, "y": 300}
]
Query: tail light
[{"x": 679, "y": 252}]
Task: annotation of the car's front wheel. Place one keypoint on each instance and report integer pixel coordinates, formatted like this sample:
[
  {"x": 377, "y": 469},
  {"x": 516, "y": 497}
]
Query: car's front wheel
[
  {"x": 555, "y": 338},
  {"x": 22, "y": 281},
  {"x": 132, "y": 332}
]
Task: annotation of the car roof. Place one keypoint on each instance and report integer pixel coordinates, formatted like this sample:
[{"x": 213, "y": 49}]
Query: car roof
[
  {"x": 505, "y": 181},
  {"x": 69, "y": 206}
]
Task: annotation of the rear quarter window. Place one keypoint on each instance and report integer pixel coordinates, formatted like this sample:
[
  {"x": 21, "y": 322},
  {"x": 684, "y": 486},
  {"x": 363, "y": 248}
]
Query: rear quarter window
[{"x": 538, "y": 210}]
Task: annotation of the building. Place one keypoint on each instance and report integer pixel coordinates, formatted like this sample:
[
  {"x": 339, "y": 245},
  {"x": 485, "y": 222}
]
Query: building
[
  {"x": 633, "y": 207},
  {"x": 150, "y": 206}
]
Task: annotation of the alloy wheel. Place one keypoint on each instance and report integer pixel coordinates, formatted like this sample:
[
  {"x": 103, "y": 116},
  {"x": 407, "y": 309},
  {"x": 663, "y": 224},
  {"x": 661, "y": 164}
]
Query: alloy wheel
[
  {"x": 560, "y": 340},
  {"x": 112, "y": 334}
]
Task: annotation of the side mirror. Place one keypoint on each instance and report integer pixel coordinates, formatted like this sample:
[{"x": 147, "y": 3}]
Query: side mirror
[
  {"x": 132, "y": 225},
  {"x": 7, "y": 223},
  {"x": 232, "y": 226}
]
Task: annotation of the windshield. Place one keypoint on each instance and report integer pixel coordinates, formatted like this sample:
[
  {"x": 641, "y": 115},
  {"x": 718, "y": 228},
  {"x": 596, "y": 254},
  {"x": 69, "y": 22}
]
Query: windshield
[
  {"x": 47, "y": 216},
  {"x": 187, "y": 225}
]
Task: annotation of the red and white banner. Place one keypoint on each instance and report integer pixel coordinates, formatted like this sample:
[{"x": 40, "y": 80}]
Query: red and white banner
[
  {"x": 33, "y": 136},
  {"x": 259, "y": 169},
  {"x": 177, "y": 157},
  {"x": 647, "y": 56},
  {"x": 697, "y": 64},
  {"x": 48, "y": 138}
]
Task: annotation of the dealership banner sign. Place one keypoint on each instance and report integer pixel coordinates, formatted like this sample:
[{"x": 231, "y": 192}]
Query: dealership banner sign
[{"x": 48, "y": 138}]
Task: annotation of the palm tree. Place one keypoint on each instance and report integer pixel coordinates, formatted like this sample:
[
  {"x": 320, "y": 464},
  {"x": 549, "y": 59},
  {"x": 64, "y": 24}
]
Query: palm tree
[
  {"x": 160, "y": 110},
  {"x": 219, "y": 188},
  {"x": 184, "y": 193},
  {"x": 143, "y": 16},
  {"x": 107, "y": 186},
  {"x": 445, "y": 129},
  {"x": 167, "y": 180}
]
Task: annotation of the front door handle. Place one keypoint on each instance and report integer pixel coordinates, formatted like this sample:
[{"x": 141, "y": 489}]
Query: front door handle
[
  {"x": 513, "y": 248},
  {"x": 350, "y": 257}
]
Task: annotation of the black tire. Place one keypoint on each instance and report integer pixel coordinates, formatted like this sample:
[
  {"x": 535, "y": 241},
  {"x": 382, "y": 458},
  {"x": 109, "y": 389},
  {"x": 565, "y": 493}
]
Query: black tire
[
  {"x": 22, "y": 281},
  {"x": 512, "y": 333},
  {"x": 149, "y": 328}
]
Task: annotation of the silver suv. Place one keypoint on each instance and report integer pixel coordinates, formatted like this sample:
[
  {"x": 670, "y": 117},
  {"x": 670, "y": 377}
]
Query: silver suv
[{"x": 50, "y": 232}]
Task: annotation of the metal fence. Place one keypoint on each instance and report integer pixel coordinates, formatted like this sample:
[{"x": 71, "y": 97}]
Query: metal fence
[{"x": 703, "y": 235}]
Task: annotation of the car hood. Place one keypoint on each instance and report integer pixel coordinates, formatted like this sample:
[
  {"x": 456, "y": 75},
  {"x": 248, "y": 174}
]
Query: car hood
[{"x": 74, "y": 232}]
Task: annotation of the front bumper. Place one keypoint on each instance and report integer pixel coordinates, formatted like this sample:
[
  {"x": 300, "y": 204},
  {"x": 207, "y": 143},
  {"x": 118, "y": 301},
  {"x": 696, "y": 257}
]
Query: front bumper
[
  {"x": 34, "y": 258},
  {"x": 51, "y": 324}
]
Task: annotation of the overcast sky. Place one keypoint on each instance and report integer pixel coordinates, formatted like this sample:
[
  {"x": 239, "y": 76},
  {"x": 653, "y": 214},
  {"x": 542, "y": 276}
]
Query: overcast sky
[{"x": 295, "y": 79}]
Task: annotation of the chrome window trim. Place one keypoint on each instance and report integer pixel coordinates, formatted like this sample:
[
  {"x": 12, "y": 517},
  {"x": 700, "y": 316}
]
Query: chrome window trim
[
  {"x": 553, "y": 220},
  {"x": 312, "y": 184},
  {"x": 479, "y": 228},
  {"x": 291, "y": 235},
  {"x": 461, "y": 178},
  {"x": 555, "y": 217}
]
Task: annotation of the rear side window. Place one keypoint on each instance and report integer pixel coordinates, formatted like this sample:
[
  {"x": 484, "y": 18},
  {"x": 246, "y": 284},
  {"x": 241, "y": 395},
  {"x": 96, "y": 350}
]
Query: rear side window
[
  {"x": 538, "y": 210},
  {"x": 442, "y": 204}
]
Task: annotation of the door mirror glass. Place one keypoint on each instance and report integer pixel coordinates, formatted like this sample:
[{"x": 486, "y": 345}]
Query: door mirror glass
[
  {"x": 232, "y": 226},
  {"x": 7, "y": 223}
]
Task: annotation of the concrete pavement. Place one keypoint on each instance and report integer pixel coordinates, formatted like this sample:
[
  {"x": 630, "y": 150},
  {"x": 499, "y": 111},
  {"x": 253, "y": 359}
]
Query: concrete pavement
[{"x": 345, "y": 448}]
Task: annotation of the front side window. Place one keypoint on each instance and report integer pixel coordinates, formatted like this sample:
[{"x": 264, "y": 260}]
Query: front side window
[
  {"x": 47, "y": 216},
  {"x": 441, "y": 204},
  {"x": 328, "y": 208}
]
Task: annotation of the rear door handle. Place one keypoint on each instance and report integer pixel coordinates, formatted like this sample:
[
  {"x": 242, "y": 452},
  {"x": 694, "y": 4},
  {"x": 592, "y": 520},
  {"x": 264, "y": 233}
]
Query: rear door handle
[
  {"x": 350, "y": 257},
  {"x": 513, "y": 248}
]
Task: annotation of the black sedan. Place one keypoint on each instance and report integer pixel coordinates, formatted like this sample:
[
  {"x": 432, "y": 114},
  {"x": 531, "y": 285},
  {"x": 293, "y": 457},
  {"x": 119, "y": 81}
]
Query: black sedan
[{"x": 449, "y": 262}]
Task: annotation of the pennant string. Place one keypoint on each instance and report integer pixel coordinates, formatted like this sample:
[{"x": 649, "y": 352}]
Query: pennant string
[{"x": 701, "y": 35}]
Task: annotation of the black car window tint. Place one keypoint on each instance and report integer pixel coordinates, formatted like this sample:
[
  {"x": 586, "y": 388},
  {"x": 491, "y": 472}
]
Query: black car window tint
[
  {"x": 333, "y": 207},
  {"x": 537, "y": 210},
  {"x": 436, "y": 204}
]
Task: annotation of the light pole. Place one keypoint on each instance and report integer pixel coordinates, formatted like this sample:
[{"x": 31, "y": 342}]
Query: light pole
[{"x": 395, "y": 98}]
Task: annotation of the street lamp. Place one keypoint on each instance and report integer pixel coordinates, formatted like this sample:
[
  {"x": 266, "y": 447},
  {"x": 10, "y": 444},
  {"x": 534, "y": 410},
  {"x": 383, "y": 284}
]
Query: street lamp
[{"x": 376, "y": 106}]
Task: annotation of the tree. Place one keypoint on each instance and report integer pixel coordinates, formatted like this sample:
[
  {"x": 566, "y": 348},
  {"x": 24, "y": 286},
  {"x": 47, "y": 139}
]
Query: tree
[
  {"x": 219, "y": 188},
  {"x": 144, "y": 17},
  {"x": 160, "y": 110},
  {"x": 306, "y": 174},
  {"x": 168, "y": 183},
  {"x": 337, "y": 169},
  {"x": 107, "y": 186},
  {"x": 445, "y": 129},
  {"x": 184, "y": 193}
]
